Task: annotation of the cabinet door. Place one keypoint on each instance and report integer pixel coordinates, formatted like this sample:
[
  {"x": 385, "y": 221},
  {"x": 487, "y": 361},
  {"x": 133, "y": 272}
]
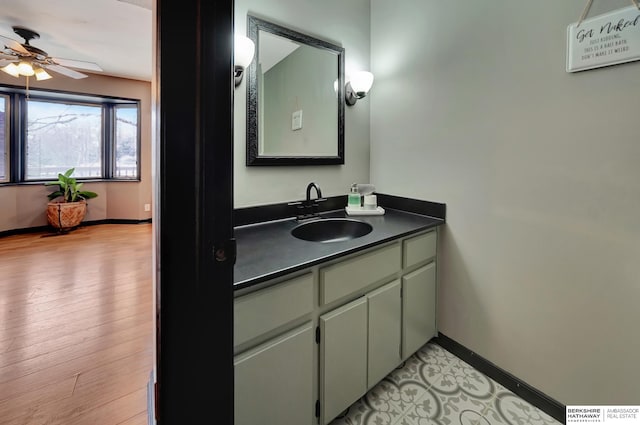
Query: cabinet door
[
  {"x": 274, "y": 381},
  {"x": 418, "y": 308},
  {"x": 343, "y": 357},
  {"x": 384, "y": 331}
]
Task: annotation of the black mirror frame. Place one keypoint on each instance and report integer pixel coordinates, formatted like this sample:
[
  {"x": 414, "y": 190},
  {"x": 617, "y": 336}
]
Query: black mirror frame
[{"x": 254, "y": 24}]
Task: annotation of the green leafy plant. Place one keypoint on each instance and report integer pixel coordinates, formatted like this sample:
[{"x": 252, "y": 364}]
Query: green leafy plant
[{"x": 69, "y": 189}]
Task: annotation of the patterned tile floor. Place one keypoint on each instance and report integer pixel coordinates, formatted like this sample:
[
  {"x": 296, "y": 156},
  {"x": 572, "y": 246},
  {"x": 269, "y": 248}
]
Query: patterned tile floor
[{"x": 434, "y": 387}]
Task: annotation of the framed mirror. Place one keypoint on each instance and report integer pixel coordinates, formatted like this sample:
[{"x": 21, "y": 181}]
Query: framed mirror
[{"x": 295, "y": 98}]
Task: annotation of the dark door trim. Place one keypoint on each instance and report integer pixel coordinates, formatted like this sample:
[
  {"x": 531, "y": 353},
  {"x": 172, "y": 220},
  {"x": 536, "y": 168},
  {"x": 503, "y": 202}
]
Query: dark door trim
[{"x": 195, "y": 206}]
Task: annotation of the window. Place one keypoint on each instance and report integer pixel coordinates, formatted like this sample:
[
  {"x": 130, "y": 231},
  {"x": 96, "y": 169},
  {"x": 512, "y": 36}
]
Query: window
[
  {"x": 4, "y": 138},
  {"x": 126, "y": 142},
  {"x": 54, "y": 131},
  {"x": 62, "y": 136}
]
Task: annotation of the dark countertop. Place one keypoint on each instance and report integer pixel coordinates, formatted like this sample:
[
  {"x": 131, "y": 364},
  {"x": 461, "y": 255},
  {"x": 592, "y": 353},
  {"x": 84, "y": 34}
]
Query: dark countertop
[{"x": 268, "y": 250}]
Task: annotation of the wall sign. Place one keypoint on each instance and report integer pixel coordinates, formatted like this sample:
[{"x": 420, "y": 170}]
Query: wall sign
[{"x": 604, "y": 40}]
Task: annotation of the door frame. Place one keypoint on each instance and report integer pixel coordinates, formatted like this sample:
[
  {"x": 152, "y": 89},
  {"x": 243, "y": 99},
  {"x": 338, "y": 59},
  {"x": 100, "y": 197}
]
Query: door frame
[{"x": 194, "y": 211}]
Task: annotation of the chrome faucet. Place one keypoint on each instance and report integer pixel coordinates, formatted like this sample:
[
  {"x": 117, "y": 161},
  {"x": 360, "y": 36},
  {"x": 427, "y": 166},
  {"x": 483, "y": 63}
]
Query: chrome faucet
[{"x": 318, "y": 192}]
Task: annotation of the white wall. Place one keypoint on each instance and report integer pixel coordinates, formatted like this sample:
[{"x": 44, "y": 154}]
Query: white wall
[
  {"x": 345, "y": 23},
  {"x": 301, "y": 81},
  {"x": 540, "y": 171}
]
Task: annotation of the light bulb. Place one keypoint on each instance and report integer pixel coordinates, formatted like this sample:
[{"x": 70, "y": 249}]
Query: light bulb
[
  {"x": 244, "y": 49},
  {"x": 41, "y": 74},
  {"x": 361, "y": 82},
  {"x": 11, "y": 69},
  {"x": 25, "y": 69}
]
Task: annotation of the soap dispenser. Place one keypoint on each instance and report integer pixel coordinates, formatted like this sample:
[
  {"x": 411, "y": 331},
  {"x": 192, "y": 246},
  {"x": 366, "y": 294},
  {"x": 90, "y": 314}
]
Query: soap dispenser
[{"x": 354, "y": 199}]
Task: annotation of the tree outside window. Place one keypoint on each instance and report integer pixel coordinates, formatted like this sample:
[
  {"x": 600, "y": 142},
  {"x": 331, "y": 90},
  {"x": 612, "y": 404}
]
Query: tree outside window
[
  {"x": 62, "y": 136},
  {"x": 97, "y": 136},
  {"x": 126, "y": 142}
]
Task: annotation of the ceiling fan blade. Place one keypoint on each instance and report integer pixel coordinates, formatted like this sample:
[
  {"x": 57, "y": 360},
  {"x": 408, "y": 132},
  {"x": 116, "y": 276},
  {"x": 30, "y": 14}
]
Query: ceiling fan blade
[
  {"x": 89, "y": 66},
  {"x": 5, "y": 62},
  {"x": 66, "y": 71},
  {"x": 8, "y": 57},
  {"x": 14, "y": 45}
]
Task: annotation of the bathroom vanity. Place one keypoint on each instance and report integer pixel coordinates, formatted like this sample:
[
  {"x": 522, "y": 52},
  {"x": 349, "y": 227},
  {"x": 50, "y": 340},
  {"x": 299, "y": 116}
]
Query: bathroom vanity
[{"x": 316, "y": 325}]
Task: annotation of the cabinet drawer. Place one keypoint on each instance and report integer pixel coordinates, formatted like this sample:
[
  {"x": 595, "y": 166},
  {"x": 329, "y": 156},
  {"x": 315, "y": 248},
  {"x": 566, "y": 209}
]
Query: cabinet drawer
[
  {"x": 419, "y": 248},
  {"x": 353, "y": 275},
  {"x": 266, "y": 309}
]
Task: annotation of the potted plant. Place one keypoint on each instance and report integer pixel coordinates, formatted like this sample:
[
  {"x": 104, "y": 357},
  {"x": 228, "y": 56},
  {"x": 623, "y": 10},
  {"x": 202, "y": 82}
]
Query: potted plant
[{"x": 69, "y": 211}]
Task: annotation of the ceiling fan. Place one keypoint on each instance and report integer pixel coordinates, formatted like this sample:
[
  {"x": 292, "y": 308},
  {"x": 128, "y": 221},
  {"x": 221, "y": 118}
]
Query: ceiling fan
[{"x": 24, "y": 59}]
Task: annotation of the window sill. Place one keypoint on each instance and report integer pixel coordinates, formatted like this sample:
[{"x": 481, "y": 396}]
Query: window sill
[{"x": 41, "y": 182}]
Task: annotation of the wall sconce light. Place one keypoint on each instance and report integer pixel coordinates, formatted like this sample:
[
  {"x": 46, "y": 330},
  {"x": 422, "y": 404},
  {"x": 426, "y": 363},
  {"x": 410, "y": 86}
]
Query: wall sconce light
[
  {"x": 243, "y": 52},
  {"x": 358, "y": 86}
]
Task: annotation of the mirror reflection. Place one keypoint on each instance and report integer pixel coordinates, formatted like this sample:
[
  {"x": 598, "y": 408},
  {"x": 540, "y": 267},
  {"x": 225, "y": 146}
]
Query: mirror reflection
[{"x": 295, "y": 116}]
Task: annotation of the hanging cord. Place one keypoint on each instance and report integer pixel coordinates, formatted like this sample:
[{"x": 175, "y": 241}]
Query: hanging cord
[{"x": 588, "y": 6}]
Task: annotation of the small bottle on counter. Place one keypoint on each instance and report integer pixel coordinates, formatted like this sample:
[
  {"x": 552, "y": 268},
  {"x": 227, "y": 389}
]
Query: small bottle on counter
[
  {"x": 354, "y": 199},
  {"x": 370, "y": 202}
]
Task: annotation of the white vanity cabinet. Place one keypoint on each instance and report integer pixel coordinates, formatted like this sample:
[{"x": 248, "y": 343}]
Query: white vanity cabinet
[
  {"x": 274, "y": 382},
  {"x": 396, "y": 286},
  {"x": 274, "y": 363},
  {"x": 308, "y": 347},
  {"x": 359, "y": 345},
  {"x": 384, "y": 333},
  {"x": 418, "y": 292},
  {"x": 355, "y": 274},
  {"x": 259, "y": 312},
  {"x": 343, "y": 353},
  {"x": 418, "y": 308}
]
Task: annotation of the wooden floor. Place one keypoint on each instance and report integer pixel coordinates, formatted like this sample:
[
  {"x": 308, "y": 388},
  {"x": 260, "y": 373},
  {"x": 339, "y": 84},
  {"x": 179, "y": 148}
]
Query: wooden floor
[{"x": 76, "y": 326}]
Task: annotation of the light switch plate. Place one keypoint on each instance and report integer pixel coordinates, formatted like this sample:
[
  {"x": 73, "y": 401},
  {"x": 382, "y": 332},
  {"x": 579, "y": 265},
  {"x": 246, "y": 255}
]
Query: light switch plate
[{"x": 296, "y": 120}]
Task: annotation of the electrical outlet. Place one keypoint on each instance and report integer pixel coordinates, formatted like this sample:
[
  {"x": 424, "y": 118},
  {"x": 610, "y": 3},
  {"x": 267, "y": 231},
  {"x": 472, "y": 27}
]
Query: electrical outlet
[{"x": 147, "y": 207}]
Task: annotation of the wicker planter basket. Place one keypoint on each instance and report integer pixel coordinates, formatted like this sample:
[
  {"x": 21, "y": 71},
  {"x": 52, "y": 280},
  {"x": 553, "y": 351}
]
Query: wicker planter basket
[{"x": 66, "y": 215}]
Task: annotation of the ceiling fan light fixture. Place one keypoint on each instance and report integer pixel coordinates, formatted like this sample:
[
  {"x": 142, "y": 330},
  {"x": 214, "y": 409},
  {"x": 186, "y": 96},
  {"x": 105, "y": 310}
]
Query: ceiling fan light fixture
[
  {"x": 41, "y": 74},
  {"x": 27, "y": 60},
  {"x": 25, "y": 69},
  {"x": 11, "y": 69}
]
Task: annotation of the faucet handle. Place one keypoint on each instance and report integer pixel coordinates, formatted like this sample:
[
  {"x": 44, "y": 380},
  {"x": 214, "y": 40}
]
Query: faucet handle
[{"x": 299, "y": 205}]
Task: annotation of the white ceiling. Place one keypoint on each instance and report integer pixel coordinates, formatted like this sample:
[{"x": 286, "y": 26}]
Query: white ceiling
[
  {"x": 273, "y": 49},
  {"x": 114, "y": 34}
]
